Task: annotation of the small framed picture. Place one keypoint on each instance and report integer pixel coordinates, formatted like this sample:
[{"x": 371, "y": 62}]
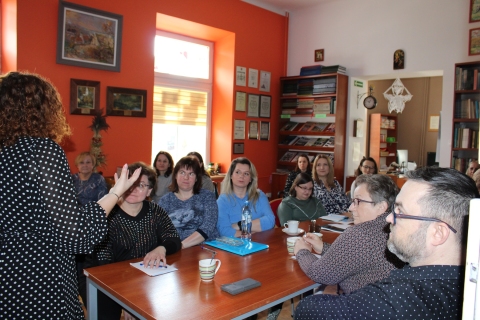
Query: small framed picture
[
  {"x": 474, "y": 42},
  {"x": 126, "y": 102},
  {"x": 241, "y": 76},
  {"x": 264, "y": 130},
  {"x": 239, "y": 130},
  {"x": 319, "y": 55},
  {"x": 241, "y": 101},
  {"x": 474, "y": 10},
  {"x": 253, "y": 130},
  {"x": 252, "y": 78},
  {"x": 265, "y": 102},
  {"x": 238, "y": 148},
  {"x": 84, "y": 97},
  {"x": 265, "y": 81},
  {"x": 253, "y": 105}
]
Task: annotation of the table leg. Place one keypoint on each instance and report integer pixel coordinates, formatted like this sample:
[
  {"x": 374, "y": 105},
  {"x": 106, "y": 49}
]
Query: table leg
[{"x": 92, "y": 300}]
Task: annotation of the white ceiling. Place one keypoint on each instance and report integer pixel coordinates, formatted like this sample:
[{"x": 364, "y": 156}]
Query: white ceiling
[{"x": 280, "y": 6}]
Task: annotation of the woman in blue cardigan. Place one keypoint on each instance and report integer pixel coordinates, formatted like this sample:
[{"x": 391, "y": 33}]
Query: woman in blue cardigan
[{"x": 240, "y": 185}]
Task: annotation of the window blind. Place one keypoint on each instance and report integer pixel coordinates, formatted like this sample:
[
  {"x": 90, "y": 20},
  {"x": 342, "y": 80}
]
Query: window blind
[{"x": 179, "y": 106}]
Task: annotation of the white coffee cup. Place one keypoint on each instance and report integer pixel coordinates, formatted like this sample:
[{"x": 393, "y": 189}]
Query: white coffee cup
[
  {"x": 291, "y": 244},
  {"x": 292, "y": 226},
  {"x": 208, "y": 268}
]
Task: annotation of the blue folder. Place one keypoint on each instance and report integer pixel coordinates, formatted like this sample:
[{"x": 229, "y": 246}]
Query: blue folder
[{"x": 248, "y": 248}]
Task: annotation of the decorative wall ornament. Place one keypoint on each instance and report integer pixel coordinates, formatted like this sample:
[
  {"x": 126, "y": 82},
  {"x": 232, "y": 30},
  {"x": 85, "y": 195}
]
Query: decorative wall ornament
[
  {"x": 396, "y": 101},
  {"x": 99, "y": 123}
]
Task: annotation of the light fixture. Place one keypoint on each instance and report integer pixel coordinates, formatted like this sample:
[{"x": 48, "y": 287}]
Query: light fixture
[{"x": 396, "y": 101}]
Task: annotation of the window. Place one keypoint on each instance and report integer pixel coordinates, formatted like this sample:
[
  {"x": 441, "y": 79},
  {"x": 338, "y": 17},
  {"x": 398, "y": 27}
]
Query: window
[{"x": 182, "y": 95}]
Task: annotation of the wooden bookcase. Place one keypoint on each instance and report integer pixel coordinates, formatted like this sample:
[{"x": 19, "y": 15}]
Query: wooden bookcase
[
  {"x": 383, "y": 150},
  {"x": 293, "y": 94},
  {"x": 466, "y": 100}
]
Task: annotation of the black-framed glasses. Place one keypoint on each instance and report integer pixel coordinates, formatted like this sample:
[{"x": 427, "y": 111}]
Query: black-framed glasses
[
  {"x": 356, "y": 202},
  {"x": 406, "y": 216},
  {"x": 368, "y": 167}
]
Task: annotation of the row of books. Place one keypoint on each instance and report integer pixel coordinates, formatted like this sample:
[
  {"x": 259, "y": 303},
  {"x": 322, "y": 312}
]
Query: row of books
[
  {"x": 460, "y": 164},
  {"x": 319, "y": 69},
  {"x": 467, "y": 109},
  {"x": 327, "y": 142},
  {"x": 309, "y": 106},
  {"x": 467, "y": 79},
  {"x": 309, "y": 126},
  {"x": 308, "y": 87},
  {"x": 292, "y": 156},
  {"x": 465, "y": 138}
]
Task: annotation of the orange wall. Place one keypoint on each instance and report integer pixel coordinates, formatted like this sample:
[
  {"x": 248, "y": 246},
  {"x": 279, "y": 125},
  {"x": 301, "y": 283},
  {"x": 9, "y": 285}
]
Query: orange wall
[{"x": 258, "y": 39}]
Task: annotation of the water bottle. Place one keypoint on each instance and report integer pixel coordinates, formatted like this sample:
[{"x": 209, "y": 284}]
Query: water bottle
[{"x": 246, "y": 222}]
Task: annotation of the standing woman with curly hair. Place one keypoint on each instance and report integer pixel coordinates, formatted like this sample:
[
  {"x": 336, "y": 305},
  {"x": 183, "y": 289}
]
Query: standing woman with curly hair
[{"x": 42, "y": 226}]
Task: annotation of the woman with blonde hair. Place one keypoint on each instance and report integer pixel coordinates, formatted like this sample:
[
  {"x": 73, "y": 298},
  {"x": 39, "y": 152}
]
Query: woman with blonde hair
[
  {"x": 90, "y": 186},
  {"x": 239, "y": 186},
  {"x": 326, "y": 188},
  {"x": 42, "y": 225}
]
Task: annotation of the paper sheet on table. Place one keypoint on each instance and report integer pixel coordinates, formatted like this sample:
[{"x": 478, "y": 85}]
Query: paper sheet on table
[
  {"x": 334, "y": 217},
  {"x": 152, "y": 272},
  {"x": 316, "y": 255}
]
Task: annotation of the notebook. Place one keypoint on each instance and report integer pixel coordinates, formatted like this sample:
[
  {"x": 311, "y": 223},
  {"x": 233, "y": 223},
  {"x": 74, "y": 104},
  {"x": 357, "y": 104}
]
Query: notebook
[{"x": 246, "y": 249}]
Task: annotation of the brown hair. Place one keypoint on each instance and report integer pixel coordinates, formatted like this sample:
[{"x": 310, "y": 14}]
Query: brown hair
[
  {"x": 302, "y": 178},
  {"x": 30, "y": 106},
  {"x": 146, "y": 170},
  {"x": 330, "y": 176},
  {"x": 83, "y": 155},
  {"x": 188, "y": 163}
]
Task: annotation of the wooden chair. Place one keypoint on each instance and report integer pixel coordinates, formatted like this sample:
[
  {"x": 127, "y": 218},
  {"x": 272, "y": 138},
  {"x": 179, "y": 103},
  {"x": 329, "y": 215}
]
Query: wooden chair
[{"x": 274, "y": 205}]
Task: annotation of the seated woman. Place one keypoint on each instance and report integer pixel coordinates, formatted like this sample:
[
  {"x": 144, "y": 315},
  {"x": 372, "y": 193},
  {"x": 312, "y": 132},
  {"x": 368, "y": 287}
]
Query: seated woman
[
  {"x": 300, "y": 205},
  {"x": 358, "y": 256},
  {"x": 367, "y": 165},
  {"x": 90, "y": 186},
  {"x": 137, "y": 228},
  {"x": 193, "y": 210},
  {"x": 303, "y": 165},
  {"x": 207, "y": 182},
  {"x": 326, "y": 188},
  {"x": 473, "y": 166},
  {"x": 163, "y": 165},
  {"x": 240, "y": 185},
  {"x": 476, "y": 178}
]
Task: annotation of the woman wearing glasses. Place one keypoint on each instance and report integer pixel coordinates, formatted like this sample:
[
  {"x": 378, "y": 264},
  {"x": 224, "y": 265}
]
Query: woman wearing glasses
[
  {"x": 137, "y": 228},
  {"x": 358, "y": 256},
  {"x": 367, "y": 166},
  {"x": 326, "y": 188},
  {"x": 240, "y": 185},
  {"x": 193, "y": 210},
  {"x": 300, "y": 205},
  {"x": 303, "y": 165}
]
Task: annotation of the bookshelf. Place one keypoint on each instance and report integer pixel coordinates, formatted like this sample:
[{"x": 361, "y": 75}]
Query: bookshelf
[
  {"x": 466, "y": 99},
  {"x": 313, "y": 119},
  {"x": 383, "y": 139}
]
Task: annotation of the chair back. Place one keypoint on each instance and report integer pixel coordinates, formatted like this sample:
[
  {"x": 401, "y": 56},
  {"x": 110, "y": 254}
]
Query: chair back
[
  {"x": 274, "y": 205},
  {"x": 215, "y": 184}
]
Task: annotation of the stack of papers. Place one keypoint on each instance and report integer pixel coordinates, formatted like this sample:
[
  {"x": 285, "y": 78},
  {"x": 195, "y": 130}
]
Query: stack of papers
[
  {"x": 335, "y": 217},
  {"x": 336, "y": 227},
  {"x": 152, "y": 272}
]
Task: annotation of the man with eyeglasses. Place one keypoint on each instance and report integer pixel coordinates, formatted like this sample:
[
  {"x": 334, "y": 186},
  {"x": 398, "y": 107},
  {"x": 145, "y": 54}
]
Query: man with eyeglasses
[{"x": 427, "y": 232}]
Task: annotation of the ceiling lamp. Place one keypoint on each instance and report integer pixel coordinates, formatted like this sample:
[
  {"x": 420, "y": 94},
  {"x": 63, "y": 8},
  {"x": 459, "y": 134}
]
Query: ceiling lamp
[{"x": 396, "y": 101}]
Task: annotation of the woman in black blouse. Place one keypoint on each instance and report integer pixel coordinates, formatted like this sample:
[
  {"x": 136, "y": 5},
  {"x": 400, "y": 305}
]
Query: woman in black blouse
[{"x": 303, "y": 165}]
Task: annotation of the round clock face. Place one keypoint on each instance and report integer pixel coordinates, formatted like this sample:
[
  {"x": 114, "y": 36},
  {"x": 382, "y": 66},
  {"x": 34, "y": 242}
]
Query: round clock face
[{"x": 370, "y": 102}]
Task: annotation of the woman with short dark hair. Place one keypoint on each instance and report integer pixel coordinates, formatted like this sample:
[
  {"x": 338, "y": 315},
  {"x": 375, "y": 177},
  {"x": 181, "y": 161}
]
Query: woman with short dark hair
[
  {"x": 303, "y": 165},
  {"x": 193, "y": 210},
  {"x": 163, "y": 165}
]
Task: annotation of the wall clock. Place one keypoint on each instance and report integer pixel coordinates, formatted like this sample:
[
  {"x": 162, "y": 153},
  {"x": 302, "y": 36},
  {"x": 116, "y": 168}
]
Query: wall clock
[{"x": 370, "y": 102}]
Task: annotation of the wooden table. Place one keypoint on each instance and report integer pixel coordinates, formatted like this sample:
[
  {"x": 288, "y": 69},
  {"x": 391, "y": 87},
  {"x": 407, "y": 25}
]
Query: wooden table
[{"x": 181, "y": 294}]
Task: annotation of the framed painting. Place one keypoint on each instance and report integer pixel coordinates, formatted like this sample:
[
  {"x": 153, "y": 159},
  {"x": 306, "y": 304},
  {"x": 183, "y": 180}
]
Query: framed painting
[
  {"x": 238, "y": 148},
  {"x": 84, "y": 97},
  {"x": 474, "y": 11},
  {"x": 474, "y": 42},
  {"x": 126, "y": 102},
  {"x": 88, "y": 37},
  {"x": 319, "y": 55}
]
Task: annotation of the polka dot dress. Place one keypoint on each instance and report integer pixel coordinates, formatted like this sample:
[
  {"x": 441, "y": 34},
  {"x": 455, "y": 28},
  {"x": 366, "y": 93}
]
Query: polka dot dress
[
  {"x": 41, "y": 228},
  {"x": 427, "y": 292}
]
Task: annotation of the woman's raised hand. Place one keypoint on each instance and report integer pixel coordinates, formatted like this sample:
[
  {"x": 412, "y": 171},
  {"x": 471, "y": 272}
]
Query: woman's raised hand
[{"x": 123, "y": 183}]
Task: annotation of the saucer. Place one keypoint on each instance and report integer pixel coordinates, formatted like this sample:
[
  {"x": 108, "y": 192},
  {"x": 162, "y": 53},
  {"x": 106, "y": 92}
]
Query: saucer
[{"x": 293, "y": 234}]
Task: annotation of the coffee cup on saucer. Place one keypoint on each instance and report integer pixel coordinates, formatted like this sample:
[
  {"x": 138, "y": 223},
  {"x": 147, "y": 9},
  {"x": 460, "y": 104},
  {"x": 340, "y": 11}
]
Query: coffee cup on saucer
[{"x": 292, "y": 226}]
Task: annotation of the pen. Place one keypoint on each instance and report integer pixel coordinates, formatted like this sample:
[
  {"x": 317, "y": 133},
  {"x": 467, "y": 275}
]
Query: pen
[{"x": 165, "y": 266}]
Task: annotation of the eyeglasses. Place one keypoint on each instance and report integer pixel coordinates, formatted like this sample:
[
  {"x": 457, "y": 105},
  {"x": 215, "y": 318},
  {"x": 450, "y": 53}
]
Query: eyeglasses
[
  {"x": 406, "y": 216},
  {"x": 305, "y": 188},
  {"x": 184, "y": 174},
  {"x": 240, "y": 173},
  {"x": 368, "y": 167},
  {"x": 356, "y": 202},
  {"x": 141, "y": 186}
]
